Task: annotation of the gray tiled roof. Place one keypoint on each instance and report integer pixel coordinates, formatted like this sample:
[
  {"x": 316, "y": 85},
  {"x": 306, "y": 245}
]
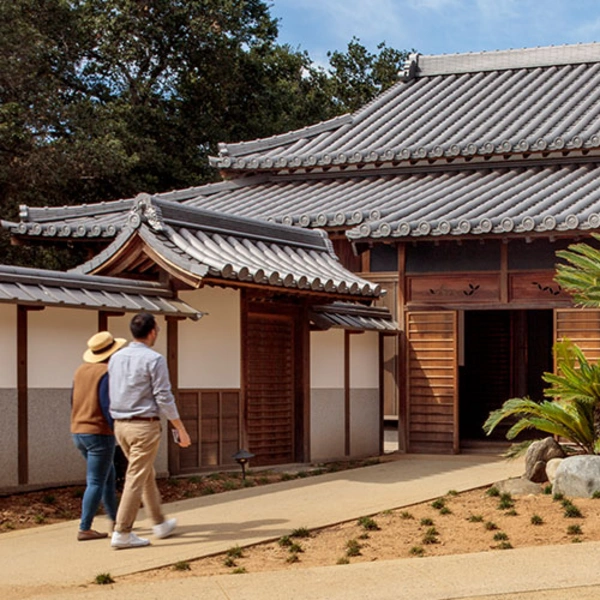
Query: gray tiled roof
[
  {"x": 236, "y": 249},
  {"x": 353, "y": 317},
  {"x": 39, "y": 287},
  {"x": 486, "y": 200},
  {"x": 451, "y": 106}
]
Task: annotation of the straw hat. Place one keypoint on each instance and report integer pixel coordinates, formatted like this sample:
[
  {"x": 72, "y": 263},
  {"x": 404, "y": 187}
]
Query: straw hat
[{"x": 101, "y": 346}]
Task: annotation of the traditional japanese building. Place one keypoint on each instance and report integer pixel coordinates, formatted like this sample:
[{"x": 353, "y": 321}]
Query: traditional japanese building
[
  {"x": 275, "y": 366},
  {"x": 452, "y": 191}
]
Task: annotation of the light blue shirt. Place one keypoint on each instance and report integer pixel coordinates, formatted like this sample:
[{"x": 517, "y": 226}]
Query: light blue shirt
[{"x": 139, "y": 384}]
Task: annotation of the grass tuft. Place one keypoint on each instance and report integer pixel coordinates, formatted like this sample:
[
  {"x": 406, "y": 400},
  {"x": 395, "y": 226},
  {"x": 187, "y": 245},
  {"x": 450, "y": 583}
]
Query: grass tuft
[
  {"x": 368, "y": 524},
  {"x": 103, "y": 579}
]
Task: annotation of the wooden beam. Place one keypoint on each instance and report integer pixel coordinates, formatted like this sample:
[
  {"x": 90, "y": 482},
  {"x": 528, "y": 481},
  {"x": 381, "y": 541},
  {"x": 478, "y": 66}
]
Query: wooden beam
[
  {"x": 504, "y": 284},
  {"x": 402, "y": 362},
  {"x": 22, "y": 397},
  {"x": 173, "y": 365},
  {"x": 380, "y": 338},
  {"x": 303, "y": 345},
  {"x": 347, "y": 429},
  {"x": 104, "y": 315},
  {"x": 244, "y": 308}
]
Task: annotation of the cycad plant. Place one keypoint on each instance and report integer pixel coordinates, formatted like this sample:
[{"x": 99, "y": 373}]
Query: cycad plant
[
  {"x": 581, "y": 275},
  {"x": 572, "y": 410}
]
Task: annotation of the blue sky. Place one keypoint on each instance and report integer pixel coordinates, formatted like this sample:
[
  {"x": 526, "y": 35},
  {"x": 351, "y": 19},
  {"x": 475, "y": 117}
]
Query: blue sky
[{"x": 435, "y": 26}]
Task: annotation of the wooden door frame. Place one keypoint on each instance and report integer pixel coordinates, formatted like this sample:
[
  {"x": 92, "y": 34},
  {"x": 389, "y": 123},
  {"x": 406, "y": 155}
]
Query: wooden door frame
[{"x": 298, "y": 313}]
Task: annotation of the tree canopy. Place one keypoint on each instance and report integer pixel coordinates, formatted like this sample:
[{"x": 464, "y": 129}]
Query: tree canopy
[{"x": 102, "y": 99}]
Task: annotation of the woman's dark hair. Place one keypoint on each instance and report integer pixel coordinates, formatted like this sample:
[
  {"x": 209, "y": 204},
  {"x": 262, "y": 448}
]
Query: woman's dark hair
[{"x": 141, "y": 325}]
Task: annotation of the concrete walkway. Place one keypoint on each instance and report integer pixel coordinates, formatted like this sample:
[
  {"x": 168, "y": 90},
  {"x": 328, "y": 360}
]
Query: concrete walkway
[{"x": 48, "y": 562}]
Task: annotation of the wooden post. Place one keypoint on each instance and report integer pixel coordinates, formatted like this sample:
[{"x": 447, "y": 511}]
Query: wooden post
[
  {"x": 22, "y": 397},
  {"x": 347, "y": 429},
  {"x": 173, "y": 365}
]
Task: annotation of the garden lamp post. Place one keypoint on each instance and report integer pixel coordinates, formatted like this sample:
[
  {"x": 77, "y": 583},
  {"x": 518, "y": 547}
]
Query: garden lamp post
[{"x": 242, "y": 457}]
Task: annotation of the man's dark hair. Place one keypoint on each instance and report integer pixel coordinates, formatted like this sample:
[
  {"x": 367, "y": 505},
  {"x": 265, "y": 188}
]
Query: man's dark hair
[{"x": 141, "y": 325}]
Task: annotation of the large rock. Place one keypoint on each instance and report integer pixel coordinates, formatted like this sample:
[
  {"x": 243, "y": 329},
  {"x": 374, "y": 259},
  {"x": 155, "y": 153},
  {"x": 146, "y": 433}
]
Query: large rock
[
  {"x": 551, "y": 467},
  {"x": 538, "y": 454},
  {"x": 578, "y": 476},
  {"x": 518, "y": 486}
]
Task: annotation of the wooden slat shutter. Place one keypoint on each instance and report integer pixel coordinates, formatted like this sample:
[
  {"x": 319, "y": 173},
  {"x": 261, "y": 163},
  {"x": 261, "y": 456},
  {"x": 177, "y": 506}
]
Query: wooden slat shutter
[
  {"x": 432, "y": 381},
  {"x": 581, "y": 326},
  {"x": 212, "y": 418},
  {"x": 270, "y": 388}
]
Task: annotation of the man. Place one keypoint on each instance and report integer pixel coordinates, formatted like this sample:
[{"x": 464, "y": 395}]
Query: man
[
  {"x": 140, "y": 391},
  {"x": 92, "y": 431}
]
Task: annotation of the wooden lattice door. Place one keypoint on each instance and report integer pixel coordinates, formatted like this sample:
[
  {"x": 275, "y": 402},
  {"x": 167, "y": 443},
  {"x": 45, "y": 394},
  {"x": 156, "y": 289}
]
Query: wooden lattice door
[
  {"x": 270, "y": 388},
  {"x": 432, "y": 381}
]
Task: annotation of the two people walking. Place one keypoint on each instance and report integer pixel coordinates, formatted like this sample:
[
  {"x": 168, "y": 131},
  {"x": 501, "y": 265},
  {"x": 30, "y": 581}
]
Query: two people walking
[{"x": 139, "y": 393}]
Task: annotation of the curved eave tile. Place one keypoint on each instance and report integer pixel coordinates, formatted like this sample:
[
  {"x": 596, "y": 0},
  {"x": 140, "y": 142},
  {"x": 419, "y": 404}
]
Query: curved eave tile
[
  {"x": 247, "y": 261},
  {"x": 466, "y": 227},
  {"x": 363, "y": 158}
]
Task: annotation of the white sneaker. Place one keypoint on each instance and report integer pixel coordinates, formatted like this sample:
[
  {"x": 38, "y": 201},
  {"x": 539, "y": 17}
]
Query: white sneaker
[
  {"x": 127, "y": 540},
  {"x": 165, "y": 529}
]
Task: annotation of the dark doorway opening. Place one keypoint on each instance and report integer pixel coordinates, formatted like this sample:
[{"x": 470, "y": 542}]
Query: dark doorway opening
[{"x": 504, "y": 356}]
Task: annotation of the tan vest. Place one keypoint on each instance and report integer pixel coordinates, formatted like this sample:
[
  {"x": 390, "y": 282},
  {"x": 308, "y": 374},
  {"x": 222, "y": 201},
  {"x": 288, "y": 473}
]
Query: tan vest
[{"x": 86, "y": 414}]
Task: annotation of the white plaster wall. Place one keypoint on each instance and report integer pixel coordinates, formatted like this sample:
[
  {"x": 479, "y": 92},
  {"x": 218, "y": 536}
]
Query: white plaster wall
[
  {"x": 8, "y": 438},
  {"x": 56, "y": 342},
  {"x": 364, "y": 360},
  {"x": 364, "y": 394},
  {"x": 327, "y": 395},
  {"x": 327, "y": 359},
  {"x": 8, "y": 346},
  {"x": 210, "y": 349},
  {"x": 364, "y": 422},
  {"x": 52, "y": 456},
  {"x": 327, "y": 424}
]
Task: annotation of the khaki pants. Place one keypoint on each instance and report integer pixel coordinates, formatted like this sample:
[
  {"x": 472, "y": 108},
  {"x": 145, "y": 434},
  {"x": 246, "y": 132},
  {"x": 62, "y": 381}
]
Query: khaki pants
[{"x": 139, "y": 441}]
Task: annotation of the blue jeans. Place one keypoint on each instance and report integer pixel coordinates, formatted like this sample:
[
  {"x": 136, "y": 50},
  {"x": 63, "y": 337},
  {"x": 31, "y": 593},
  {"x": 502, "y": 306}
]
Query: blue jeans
[{"x": 98, "y": 451}]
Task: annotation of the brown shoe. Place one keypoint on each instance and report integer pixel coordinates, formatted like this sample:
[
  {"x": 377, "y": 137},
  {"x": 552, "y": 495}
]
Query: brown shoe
[{"x": 84, "y": 536}]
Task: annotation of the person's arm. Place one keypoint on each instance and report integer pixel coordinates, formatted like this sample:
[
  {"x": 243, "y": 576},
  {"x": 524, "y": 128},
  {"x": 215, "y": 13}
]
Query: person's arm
[
  {"x": 184, "y": 436},
  {"x": 105, "y": 400},
  {"x": 161, "y": 388}
]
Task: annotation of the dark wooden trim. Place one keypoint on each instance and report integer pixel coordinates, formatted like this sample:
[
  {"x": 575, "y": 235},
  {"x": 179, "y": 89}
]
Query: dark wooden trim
[
  {"x": 22, "y": 397},
  {"x": 504, "y": 285},
  {"x": 173, "y": 365},
  {"x": 347, "y": 429},
  {"x": 381, "y": 397},
  {"x": 365, "y": 261},
  {"x": 244, "y": 308},
  {"x": 102, "y": 321},
  {"x": 303, "y": 360},
  {"x": 402, "y": 352},
  {"x": 104, "y": 315}
]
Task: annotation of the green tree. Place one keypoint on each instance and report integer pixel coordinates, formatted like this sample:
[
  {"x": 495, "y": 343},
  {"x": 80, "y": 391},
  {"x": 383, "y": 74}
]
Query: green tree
[
  {"x": 359, "y": 75},
  {"x": 103, "y": 99}
]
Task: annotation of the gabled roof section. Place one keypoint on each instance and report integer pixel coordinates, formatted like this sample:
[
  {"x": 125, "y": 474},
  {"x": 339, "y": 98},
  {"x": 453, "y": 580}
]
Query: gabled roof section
[
  {"x": 476, "y": 106},
  {"x": 39, "y": 287},
  {"x": 199, "y": 246},
  {"x": 353, "y": 317}
]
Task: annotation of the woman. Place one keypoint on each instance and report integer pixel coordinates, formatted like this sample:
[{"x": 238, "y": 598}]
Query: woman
[{"x": 92, "y": 431}]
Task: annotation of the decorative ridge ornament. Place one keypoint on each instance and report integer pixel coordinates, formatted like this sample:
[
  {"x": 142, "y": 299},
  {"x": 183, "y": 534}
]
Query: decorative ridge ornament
[
  {"x": 145, "y": 210},
  {"x": 410, "y": 67}
]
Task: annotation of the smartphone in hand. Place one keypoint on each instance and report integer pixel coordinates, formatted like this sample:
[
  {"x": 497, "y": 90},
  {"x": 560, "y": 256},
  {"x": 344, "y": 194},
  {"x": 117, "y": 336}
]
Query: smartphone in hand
[{"x": 176, "y": 438}]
